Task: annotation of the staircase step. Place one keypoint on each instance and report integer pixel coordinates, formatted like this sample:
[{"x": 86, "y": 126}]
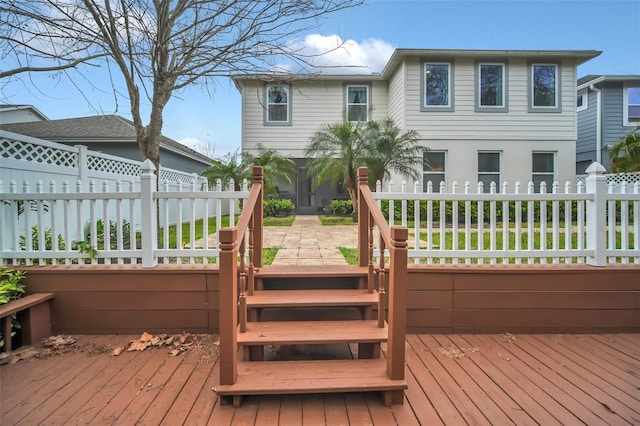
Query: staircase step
[
  {"x": 308, "y": 271},
  {"x": 290, "y": 377},
  {"x": 315, "y": 298},
  {"x": 312, "y": 332}
]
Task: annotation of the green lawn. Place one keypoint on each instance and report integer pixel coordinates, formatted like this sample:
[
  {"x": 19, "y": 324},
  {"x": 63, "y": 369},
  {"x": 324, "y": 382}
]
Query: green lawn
[{"x": 336, "y": 220}]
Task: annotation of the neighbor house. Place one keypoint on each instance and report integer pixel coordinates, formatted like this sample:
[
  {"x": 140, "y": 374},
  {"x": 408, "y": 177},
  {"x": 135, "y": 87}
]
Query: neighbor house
[
  {"x": 483, "y": 115},
  {"x": 110, "y": 134},
  {"x": 608, "y": 109},
  {"x": 19, "y": 114}
]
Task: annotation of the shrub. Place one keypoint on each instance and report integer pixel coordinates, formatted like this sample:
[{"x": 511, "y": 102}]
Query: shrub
[
  {"x": 10, "y": 289},
  {"x": 341, "y": 207},
  {"x": 278, "y": 208}
]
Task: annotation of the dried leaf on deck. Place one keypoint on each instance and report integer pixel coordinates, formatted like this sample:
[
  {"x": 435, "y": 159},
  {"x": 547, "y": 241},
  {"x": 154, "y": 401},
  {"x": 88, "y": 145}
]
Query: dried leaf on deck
[{"x": 117, "y": 351}]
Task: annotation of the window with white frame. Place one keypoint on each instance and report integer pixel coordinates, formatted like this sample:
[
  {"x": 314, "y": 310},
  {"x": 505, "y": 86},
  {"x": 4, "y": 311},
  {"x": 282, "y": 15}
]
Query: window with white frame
[
  {"x": 491, "y": 86},
  {"x": 437, "y": 86},
  {"x": 543, "y": 168},
  {"x": 358, "y": 103},
  {"x": 489, "y": 170},
  {"x": 582, "y": 100},
  {"x": 631, "y": 112},
  {"x": 545, "y": 87},
  {"x": 434, "y": 169},
  {"x": 278, "y": 105}
]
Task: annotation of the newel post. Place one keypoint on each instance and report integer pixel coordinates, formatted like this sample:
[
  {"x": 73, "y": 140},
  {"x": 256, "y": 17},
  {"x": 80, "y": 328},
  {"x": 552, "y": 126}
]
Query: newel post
[
  {"x": 596, "y": 215},
  {"x": 149, "y": 214},
  {"x": 258, "y": 217},
  {"x": 397, "y": 316},
  {"x": 363, "y": 219},
  {"x": 228, "y": 306}
]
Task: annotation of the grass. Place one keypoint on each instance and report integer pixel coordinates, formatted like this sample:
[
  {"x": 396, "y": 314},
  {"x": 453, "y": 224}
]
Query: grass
[
  {"x": 350, "y": 255},
  {"x": 336, "y": 220},
  {"x": 279, "y": 221}
]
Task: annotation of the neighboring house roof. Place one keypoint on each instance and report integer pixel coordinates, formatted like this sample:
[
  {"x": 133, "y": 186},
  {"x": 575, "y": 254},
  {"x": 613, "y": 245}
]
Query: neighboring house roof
[
  {"x": 588, "y": 80},
  {"x": 103, "y": 128},
  {"x": 11, "y": 107}
]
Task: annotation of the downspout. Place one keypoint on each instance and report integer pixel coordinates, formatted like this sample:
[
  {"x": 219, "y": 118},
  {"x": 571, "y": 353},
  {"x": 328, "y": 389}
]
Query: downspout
[{"x": 598, "y": 123}]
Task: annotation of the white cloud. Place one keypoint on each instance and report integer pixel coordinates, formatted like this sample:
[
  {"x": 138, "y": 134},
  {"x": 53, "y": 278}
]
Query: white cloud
[
  {"x": 331, "y": 54},
  {"x": 199, "y": 146}
]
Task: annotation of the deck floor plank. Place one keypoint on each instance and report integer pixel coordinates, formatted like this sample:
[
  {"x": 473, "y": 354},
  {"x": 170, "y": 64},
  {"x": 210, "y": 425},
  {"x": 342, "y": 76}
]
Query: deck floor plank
[
  {"x": 199, "y": 382},
  {"x": 564, "y": 388},
  {"x": 546, "y": 379},
  {"x": 465, "y": 406},
  {"x": 612, "y": 399},
  {"x": 527, "y": 394},
  {"x": 459, "y": 373},
  {"x": 492, "y": 389}
]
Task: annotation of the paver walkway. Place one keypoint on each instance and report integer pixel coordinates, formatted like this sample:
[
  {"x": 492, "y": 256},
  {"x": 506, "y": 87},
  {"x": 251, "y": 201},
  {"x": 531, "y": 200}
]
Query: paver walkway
[{"x": 308, "y": 242}]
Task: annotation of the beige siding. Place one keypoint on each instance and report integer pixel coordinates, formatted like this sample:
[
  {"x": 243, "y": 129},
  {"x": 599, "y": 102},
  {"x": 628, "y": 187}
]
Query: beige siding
[
  {"x": 397, "y": 96},
  {"x": 313, "y": 104},
  {"x": 516, "y": 124}
]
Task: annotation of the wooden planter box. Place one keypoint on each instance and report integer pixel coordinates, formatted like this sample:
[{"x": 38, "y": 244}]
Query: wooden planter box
[{"x": 34, "y": 314}]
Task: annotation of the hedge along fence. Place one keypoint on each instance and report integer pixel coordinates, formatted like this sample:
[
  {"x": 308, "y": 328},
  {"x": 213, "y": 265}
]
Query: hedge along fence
[{"x": 452, "y": 227}]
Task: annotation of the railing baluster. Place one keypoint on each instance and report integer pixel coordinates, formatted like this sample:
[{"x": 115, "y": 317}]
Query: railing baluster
[{"x": 382, "y": 296}]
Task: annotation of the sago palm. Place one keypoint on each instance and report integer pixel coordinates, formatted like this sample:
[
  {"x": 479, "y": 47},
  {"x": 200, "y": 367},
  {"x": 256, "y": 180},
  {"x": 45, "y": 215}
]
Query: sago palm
[
  {"x": 336, "y": 152},
  {"x": 625, "y": 154},
  {"x": 389, "y": 149}
]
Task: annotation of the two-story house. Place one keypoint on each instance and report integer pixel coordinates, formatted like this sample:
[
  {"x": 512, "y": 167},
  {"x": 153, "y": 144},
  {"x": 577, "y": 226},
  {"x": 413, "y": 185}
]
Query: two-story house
[
  {"x": 608, "y": 109},
  {"x": 483, "y": 115}
]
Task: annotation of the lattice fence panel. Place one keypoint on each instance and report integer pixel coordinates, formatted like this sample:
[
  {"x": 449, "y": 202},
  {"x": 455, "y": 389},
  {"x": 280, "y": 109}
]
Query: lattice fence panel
[
  {"x": 107, "y": 165},
  {"x": 19, "y": 150}
]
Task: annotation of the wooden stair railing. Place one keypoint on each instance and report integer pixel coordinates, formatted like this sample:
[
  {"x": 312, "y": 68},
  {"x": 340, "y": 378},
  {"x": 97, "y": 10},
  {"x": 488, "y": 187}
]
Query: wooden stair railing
[
  {"x": 392, "y": 286},
  {"x": 236, "y": 279}
]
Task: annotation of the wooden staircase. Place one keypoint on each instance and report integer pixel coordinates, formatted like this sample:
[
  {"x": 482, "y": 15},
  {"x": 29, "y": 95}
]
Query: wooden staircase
[{"x": 265, "y": 307}]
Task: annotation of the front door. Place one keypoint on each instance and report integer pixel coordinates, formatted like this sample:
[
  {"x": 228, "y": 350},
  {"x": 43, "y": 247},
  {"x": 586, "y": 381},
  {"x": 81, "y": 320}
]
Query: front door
[{"x": 305, "y": 198}]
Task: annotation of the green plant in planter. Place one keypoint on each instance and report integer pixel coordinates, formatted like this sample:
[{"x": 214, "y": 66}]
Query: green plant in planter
[{"x": 11, "y": 288}]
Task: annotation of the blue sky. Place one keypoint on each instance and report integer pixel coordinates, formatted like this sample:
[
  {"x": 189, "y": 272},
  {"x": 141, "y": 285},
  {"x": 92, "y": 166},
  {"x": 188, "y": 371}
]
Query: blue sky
[{"x": 211, "y": 115}]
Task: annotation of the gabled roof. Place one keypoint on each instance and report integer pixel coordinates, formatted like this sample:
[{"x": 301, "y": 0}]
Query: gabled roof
[
  {"x": 14, "y": 107},
  {"x": 101, "y": 128},
  {"x": 588, "y": 80}
]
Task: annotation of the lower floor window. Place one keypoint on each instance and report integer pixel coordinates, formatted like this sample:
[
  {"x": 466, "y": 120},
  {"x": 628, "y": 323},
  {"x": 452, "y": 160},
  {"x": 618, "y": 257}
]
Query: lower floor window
[
  {"x": 434, "y": 170},
  {"x": 543, "y": 167},
  {"x": 489, "y": 170}
]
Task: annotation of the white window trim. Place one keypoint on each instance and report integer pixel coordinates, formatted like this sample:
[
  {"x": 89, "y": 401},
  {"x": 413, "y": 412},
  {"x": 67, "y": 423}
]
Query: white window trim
[
  {"x": 425, "y": 173},
  {"x": 625, "y": 105},
  {"x": 346, "y": 96},
  {"x": 267, "y": 104},
  {"x": 423, "y": 86},
  {"x": 557, "y": 106},
  {"x": 498, "y": 173},
  {"x": 502, "y": 107},
  {"x": 585, "y": 100},
  {"x": 555, "y": 169}
]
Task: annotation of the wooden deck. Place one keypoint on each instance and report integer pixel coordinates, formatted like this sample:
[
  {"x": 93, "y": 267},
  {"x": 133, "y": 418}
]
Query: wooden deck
[{"x": 453, "y": 379}]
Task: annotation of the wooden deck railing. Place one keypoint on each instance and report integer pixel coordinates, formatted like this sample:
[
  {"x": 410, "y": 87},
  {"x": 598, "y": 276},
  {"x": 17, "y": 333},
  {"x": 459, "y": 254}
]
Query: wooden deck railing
[
  {"x": 391, "y": 280},
  {"x": 243, "y": 241}
]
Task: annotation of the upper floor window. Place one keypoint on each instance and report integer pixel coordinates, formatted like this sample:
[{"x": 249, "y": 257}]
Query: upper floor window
[
  {"x": 434, "y": 170},
  {"x": 545, "y": 87},
  {"x": 489, "y": 170},
  {"x": 358, "y": 103},
  {"x": 631, "y": 106},
  {"x": 278, "y": 105},
  {"x": 582, "y": 100},
  {"x": 437, "y": 87},
  {"x": 543, "y": 167},
  {"x": 491, "y": 86}
]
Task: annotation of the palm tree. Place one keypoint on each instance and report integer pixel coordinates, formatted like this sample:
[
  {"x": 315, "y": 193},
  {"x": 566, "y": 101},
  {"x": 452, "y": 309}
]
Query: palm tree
[
  {"x": 276, "y": 167},
  {"x": 336, "y": 152},
  {"x": 390, "y": 149},
  {"x": 625, "y": 154},
  {"x": 228, "y": 167}
]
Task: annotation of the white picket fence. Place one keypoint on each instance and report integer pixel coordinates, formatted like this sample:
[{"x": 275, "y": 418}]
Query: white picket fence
[
  {"x": 113, "y": 223},
  {"x": 594, "y": 223}
]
